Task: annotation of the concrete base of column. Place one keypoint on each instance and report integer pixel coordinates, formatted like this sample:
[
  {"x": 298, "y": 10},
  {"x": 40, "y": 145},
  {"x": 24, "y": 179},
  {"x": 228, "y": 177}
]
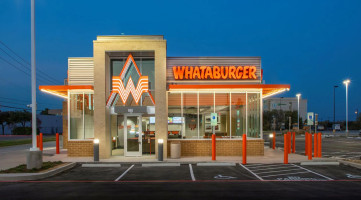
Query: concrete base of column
[{"x": 34, "y": 159}]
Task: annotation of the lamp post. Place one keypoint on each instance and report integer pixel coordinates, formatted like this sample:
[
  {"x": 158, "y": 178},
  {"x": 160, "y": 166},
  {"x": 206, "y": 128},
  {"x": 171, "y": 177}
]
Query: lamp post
[
  {"x": 356, "y": 112},
  {"x": 334, "y": 105},
  {"x": 298, "y": 110},
  {"x": 34, "y": 158},
  {"x": 346, "y": 82}
]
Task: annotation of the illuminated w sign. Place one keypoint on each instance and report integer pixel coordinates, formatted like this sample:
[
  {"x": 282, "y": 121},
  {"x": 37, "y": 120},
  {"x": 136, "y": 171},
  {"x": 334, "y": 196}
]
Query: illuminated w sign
[{"x": 119, "y": 90}]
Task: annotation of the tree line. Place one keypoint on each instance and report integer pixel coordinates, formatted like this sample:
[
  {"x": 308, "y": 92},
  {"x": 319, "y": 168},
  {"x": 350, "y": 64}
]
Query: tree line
[{"x": 17, "y": 122}]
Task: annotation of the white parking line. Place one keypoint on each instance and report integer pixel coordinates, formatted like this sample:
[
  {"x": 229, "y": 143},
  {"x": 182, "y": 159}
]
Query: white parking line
[
  {"x": 265, "y": 166},
  {"x": 313, "y": 172},
  {"x": 277, "y": 171},
  {"x": 124, "y": 173},
  {"x": 191, "y": 171},
  {"x": 285, "y": 174},
  {"x": 280, "y": 167},
  {"x": 251, "y": 172}
]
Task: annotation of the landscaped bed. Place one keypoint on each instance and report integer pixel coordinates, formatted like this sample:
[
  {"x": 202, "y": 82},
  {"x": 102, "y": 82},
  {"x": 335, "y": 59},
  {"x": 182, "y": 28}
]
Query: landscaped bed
[{"x": 22, "y": 168}]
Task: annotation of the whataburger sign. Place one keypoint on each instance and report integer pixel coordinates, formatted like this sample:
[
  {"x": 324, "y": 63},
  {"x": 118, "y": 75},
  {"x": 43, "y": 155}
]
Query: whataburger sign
[
  {"x": 123, "y": 91},
  {"x": 214, "y": 72}
]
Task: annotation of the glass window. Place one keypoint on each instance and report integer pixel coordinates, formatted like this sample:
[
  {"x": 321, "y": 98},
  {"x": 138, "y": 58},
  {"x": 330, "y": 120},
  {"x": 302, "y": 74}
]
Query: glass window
[
  {"x": 81, "y": 108},
  {"x": 190, "y": 115},
  {"x": 238, "y": 114},
  {"x": 222, "y": 101},
  {"x": 253, "y": 112},
  {"x": 206, "y": 107},
  {"x": 175, "y": 120}
]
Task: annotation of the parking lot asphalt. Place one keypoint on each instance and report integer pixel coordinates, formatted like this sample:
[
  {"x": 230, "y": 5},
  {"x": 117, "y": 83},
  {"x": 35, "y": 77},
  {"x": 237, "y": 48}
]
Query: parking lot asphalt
[
  {"x": 189, "y": 181},
  {"x": 338, "y": 147},
  {"x": 194, "y": 173}
]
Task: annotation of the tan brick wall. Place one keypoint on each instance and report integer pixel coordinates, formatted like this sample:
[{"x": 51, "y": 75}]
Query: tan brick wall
[
  {"x": 223, "y": 147},
  {"x": 80, "y": 148},
  {"x": 65, "y": 124}
]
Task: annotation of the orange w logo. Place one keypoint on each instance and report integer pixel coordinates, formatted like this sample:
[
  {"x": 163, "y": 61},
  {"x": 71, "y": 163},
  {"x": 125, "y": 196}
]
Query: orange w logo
[{"x": 119, "y": 90}]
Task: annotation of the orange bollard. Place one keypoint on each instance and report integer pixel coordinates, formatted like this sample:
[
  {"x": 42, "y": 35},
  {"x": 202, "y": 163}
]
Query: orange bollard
[
  {"x": 319, "y": 154},
  {"x": 57, "y": 143},
  {"x": 244, "y": 149},
  {"x": 289, "y": 142},
  {"x": 41, "y": 142},
  {"x": 274, "y": 140},
  {"x": 213, "y": 146},
  {"x": 285, "y": 146},
  {"x": 37, "y": 141},
  {"x": 306, "y": 145},
  {"x": 309, "y": 142},
  {"x": 293, "y": 142},
  {"x": 315, "y": 149}
]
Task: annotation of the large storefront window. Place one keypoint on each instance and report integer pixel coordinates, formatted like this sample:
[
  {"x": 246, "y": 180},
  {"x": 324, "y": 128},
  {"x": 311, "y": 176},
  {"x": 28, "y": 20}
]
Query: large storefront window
[
  {"x": 254, "y": 117},
  {"x": 238, "y": 114},
  {"x": 190, "y": 115},
  {"x": 81, "y": 118},
  {"x": 175, "y": 120}
]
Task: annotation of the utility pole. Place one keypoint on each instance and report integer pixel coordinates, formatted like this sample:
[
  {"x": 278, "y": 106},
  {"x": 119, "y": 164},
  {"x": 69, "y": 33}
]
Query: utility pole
[
  {"x": 34, "y": 157},
  {"x": 334, "y": 105}
]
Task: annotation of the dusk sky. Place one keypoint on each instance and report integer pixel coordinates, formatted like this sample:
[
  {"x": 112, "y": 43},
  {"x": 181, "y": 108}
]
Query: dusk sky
[{"x": 311, "y": 45}]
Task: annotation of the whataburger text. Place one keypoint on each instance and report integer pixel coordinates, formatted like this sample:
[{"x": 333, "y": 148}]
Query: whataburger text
[{"x": 214, "y": 72}]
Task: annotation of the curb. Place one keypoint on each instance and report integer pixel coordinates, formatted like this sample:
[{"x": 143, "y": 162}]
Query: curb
[
  {"x": 352, "y": 164},
  {"x": 34, "y": 176}
]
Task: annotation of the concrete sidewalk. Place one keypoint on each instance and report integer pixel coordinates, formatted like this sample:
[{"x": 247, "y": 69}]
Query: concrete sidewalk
[{"x": 13, "y": 156}]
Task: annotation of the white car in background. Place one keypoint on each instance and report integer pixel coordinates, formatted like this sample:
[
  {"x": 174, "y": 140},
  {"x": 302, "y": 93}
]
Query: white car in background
[{"x": 320, "y": 128}]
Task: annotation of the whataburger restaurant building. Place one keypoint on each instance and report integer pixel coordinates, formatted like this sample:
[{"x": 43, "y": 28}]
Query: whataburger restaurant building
[{"x": 130, "y": 94}]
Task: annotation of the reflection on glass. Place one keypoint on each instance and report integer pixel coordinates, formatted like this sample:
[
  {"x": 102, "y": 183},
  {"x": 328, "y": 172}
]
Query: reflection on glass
[
  {"x": 190, "y": 115},
  {"x": 253, "y": 115},
  {"x": 206, "y": 102},
  {"x": 238, "y": 113},
  {"x": 132, "y": 133}
]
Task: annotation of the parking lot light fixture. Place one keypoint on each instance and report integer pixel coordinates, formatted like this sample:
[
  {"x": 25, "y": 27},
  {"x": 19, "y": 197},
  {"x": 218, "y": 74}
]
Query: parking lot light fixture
[
  {"x": 346, "y": 82},
  {"x": 298, "y": 110}
]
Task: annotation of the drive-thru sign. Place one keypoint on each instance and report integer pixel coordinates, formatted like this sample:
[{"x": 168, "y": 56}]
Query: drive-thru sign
[{"x": 310, "y": 118}]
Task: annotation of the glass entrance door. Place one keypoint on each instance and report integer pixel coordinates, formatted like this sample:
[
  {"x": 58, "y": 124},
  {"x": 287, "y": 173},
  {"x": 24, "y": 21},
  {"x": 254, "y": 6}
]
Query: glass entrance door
[{"x": 133, "y": 135}]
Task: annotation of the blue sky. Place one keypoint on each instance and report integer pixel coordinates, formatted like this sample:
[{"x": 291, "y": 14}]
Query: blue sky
[{"x": 311, "y": 45}]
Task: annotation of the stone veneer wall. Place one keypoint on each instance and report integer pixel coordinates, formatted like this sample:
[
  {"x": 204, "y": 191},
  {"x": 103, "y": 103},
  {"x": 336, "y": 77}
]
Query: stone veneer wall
[{"x": 255, "y": 147}]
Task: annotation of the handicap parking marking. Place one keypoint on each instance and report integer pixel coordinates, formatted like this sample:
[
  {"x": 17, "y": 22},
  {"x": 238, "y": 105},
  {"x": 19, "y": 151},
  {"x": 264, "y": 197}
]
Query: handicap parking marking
[
  {"x": 289, "y": 172},
  {"x": 216, "y": 173}
]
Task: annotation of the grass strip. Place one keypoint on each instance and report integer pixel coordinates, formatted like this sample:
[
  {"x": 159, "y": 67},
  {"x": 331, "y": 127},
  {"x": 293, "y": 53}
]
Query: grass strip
[
  {"x": 23, "y": 169},
  {"x": 6, "y": 143}
]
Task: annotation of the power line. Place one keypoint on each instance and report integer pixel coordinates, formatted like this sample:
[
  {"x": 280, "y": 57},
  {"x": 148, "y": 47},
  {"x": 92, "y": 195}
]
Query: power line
[
  {"x": 6, "y": 106},
  {"x": 26, "y": 62},
  {"x": 27, "y": 101},
  {"x": 26, "y": 67}
]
